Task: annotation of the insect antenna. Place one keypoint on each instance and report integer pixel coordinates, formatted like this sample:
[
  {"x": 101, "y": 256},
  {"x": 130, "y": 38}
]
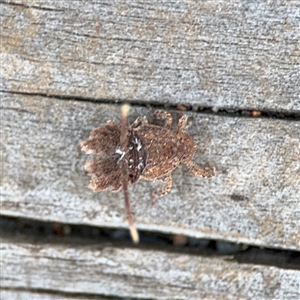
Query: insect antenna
[{"x": 124, "y": 171}]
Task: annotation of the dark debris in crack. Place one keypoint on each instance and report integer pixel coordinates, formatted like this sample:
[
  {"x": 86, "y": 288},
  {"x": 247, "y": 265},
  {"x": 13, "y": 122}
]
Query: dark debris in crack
[{"x": 53, "y": 232}]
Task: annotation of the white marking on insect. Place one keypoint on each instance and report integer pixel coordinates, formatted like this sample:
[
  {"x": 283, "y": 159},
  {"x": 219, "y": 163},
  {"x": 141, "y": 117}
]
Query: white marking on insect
[
  {"x": 122, "y": 153},
  {"x": 140, "y": 165},
  {"x": 138, "y": 143}
]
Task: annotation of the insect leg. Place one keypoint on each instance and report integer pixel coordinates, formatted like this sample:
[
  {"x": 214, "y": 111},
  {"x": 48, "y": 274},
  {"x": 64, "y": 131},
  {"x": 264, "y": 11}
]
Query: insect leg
[
  {"x": 182, "y": 123},
  {"x": 139, "y": 122},
  {"x": 164, "y": 116},
  {"x": 201, "y": 172},
  {"x": 167, "y": 180}
]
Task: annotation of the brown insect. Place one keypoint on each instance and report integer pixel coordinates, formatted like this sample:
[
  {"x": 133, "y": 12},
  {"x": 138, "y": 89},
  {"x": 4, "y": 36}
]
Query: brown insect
[{"x": 127, "y": 154}]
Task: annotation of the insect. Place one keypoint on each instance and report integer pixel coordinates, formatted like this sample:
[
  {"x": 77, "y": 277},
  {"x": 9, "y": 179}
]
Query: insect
[{"x": 126, "y": 154}]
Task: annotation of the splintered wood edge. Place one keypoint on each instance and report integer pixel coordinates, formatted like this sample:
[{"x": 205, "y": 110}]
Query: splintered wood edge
[
  {"x": 154, "y": 51},
  {"x": 44, "y": 176},
  {"x": 128, "y": 272}
]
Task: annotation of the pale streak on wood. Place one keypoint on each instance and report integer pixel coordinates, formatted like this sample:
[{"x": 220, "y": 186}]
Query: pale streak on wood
[
  {"x": 220, "y": 54},
  {"x": 140, "y": 273},
  {"x": 11, "y": 294},
  {"x": 253, "y": 199}
]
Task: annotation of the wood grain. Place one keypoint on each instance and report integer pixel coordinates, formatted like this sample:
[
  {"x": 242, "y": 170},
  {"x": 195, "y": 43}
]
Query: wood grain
[
  {"x": 218, "y": 54},
  {"x": 138, "y": 273},
  {"x": 60, "y": 62},
  {"x": 253, "y": 199},
  {"x": 25, "y": 294}
]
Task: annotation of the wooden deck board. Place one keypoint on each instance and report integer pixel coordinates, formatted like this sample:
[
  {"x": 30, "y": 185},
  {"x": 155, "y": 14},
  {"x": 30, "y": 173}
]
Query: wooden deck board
[
  {"x": 138, "y": 273},
  {"x": 219, "y": 54},
  {"x": 253, "y": 199},
  {"x": 24, "y": 294}
]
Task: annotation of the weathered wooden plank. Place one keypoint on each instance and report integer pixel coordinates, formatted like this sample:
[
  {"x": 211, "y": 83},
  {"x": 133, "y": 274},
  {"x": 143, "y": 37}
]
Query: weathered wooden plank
[
  {"x": 220, "y": 54},
  {"x": 127, "y": 272},
  {"x": 11, "y": 294},
  {"x": 253, "y": 199}
]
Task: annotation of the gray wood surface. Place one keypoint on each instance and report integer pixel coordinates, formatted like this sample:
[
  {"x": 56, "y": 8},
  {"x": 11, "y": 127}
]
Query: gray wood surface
[
  {"x": 217, "y": 54},
  {"x": 253, "y": 199},
  {"x": 25, "y": 294},
  {"x": 140, "y": 273},
  {"x": 56, "y": 56}
]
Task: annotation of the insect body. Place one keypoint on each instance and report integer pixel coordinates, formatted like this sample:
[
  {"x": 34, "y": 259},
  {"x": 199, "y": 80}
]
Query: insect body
[{"x": 140, "y": 151}]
